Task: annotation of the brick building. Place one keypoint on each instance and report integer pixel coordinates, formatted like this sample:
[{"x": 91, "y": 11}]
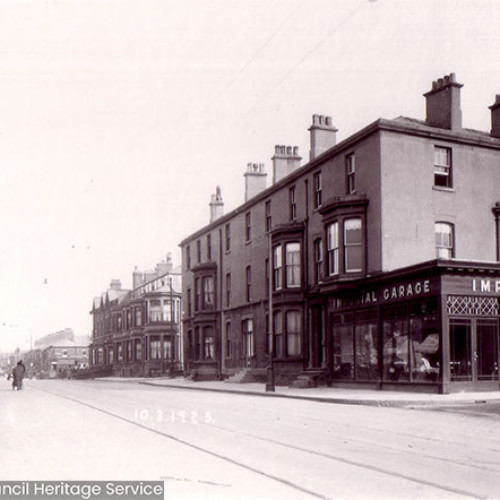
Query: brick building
[
  {"x": 384, "y": 259},
  {"x": 138, "y": 332}
]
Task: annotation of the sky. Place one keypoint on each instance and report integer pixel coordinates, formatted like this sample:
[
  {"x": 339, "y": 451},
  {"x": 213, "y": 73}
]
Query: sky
[{"x": 118, "y": 119}]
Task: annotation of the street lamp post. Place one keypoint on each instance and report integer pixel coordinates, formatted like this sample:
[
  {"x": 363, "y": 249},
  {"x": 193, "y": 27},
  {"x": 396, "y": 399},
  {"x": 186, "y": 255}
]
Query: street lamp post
[
  {"x": 172, "y": 349},
  {"x": 270, "y": 387}
]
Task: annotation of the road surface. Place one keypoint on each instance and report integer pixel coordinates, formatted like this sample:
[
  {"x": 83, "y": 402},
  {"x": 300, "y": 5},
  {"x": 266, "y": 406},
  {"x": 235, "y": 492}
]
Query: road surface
[{"x": 229, "y": 446}]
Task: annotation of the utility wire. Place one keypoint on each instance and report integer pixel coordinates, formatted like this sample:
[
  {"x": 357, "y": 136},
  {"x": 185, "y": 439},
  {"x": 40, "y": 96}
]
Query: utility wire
[
  {"x": 252, "y": 59},
  {"x": 308, "y": 54}
]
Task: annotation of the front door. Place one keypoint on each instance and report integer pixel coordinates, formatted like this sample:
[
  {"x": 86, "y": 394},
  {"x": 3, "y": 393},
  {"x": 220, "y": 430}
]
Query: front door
[{"x": 474, "y": 354}]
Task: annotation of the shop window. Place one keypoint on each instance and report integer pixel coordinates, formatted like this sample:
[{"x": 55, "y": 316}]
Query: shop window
[
  {"x": 442, "y": 167},
  {"x": 425, "y": 353},
  {"x": 343, "y": 347},
  {"x": 293, "y": 204},
  {"x": 395, "y": 345},
  {"x": 317, "y": 190},
  {"x": 292, "y": 264},
  {"x": 444, "y": 240},
  {"x": 353, "y": 245},
  {"x": 332, "y": 233},
  {"x": 293, "y": 333},
  {"x": 460, "y": 350},
  {"x": 350, "y": 167},
  {"x": 366, "y": 342}
]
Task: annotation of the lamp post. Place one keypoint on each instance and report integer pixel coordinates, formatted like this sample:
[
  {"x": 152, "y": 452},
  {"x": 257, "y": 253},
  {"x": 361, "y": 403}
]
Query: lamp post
[
  {"x": 270, "y": 367},
  {"x": 172, "y": 341}
]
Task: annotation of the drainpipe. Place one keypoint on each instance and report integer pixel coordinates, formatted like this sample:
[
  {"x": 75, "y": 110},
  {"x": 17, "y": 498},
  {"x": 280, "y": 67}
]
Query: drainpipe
[{"x": 496, "y": 213}]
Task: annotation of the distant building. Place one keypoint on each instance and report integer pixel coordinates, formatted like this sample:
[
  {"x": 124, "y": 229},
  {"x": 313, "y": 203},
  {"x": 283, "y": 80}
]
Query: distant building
[
  {"x": 58, "y": 355},
  {"x": 138, "y": 332},
  {"x": 375, "y": 264}
]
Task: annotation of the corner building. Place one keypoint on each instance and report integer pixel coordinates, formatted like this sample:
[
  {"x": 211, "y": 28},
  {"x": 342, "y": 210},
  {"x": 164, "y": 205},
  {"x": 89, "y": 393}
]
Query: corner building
[{"x": 384, "y": 260}]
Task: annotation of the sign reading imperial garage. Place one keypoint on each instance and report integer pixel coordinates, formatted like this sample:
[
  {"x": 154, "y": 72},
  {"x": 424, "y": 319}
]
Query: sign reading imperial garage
[{"x": 403, "y": 290}]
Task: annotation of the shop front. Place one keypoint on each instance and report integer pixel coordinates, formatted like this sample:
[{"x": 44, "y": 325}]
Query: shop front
[{"x": 431, "y": 328}]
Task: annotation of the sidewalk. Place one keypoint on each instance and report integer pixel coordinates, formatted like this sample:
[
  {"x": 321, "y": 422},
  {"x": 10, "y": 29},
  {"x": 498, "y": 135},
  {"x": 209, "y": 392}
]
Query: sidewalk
[{"x": 323, "y": 394}]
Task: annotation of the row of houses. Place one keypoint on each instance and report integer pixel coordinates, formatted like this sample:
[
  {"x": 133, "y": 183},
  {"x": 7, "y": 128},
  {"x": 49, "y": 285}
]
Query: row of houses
[
  {"x": 374, "y": 264},
  {"x": 137, "y": 332}
]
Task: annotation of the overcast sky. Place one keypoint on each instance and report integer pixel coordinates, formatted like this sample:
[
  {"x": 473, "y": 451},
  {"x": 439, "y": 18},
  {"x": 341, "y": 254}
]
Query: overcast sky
[{"x": 119, "y": 118}]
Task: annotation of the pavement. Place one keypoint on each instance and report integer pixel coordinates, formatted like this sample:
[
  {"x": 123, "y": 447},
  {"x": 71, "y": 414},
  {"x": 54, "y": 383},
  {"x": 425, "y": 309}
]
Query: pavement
[{"x": 353, "y": 396}]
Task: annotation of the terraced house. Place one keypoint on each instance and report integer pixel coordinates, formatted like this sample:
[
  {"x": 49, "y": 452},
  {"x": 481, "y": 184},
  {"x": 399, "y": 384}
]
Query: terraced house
[
  {"x": 138, "y": 332},
  {"x": 377, "y": 260}
]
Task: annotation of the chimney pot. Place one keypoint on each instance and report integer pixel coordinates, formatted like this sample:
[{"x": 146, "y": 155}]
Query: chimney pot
[
  {"x": 216, "y": 205},
  {"x": 495, "y": 117}
]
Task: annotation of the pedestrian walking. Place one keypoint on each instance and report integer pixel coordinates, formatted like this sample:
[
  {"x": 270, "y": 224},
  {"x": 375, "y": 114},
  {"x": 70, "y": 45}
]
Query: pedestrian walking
[{"x": 18, "y": 375}]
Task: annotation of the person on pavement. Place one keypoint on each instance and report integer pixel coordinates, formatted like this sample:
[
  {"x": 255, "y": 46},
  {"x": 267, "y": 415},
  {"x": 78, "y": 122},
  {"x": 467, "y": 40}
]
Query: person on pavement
[{"x": 18, "y": 375}]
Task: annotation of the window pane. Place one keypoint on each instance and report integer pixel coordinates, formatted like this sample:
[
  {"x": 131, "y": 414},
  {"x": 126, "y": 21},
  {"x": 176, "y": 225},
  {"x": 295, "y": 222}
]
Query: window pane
[
  {"x": 352, "y": 228},
  {"x": 333, "y": 245},
  {"x": 292, "y": 251},
  {"x": 444, "y": 240},
  {"x": 353, "y": 238}
]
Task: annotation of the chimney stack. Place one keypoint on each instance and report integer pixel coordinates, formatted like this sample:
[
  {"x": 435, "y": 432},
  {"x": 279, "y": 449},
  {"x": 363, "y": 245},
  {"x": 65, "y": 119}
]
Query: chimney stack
[
  {"x": 255, "y": 179},
  {"x": 286, "y": 159},
  {"x": 137, "y": 278},
  {"x": 495, "y": 117},
  {"x": 323, "y": 135},
  {"x": 115, "y": 284},
  {"x": 443, "y": 104},
  {"x": 216, "y": 205}
]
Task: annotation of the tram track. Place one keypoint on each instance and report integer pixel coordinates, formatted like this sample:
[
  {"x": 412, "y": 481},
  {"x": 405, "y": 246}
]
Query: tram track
[{"x": 300, "y": 449}]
